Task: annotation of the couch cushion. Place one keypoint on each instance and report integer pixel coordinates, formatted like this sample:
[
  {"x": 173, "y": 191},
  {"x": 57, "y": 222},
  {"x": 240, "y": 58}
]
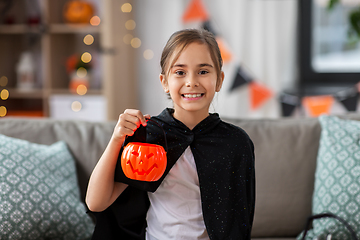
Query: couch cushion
[
  {"x": 85, "y": 140},
  {"x": 285, "y": 157},
  {"x": 337, "y": 177},
  {"x": 39, "y": 194}
]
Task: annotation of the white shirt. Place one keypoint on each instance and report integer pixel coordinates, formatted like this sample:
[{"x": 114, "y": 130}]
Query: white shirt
[{"x": 175, "y": 207}]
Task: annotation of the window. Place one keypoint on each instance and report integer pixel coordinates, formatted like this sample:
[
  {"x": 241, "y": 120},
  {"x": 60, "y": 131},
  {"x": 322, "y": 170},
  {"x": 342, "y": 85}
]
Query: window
[{"x": 328, "y": 55}]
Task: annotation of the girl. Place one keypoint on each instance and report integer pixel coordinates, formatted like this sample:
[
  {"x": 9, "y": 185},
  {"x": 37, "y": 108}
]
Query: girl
[{"x": 208, "y": 188}]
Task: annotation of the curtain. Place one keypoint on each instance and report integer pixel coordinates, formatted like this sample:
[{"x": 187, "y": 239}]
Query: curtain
[{"x": 260, "y": 34}]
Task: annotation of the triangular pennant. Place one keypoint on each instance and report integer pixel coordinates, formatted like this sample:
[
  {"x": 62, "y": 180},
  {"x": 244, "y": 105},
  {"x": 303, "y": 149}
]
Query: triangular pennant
[
  {"x": 259, "y": 94},
  {"x": 349, "y": 98},
  {"x": 207, "y": 26},
  {"x": 241, "y": 78},
  {"x": 317, "y": 105},
  {"x": 195, "y": 11},
  {"x": 288, "y": 104},
  {"x": 225, "y": 53}
]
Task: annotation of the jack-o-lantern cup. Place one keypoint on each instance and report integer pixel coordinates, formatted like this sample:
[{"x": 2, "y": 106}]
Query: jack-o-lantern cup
[{"x": 143, "y": 161}]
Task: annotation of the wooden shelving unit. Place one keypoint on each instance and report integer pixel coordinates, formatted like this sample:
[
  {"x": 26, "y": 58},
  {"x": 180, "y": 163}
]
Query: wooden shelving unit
[{"x": 52, "y": 42}]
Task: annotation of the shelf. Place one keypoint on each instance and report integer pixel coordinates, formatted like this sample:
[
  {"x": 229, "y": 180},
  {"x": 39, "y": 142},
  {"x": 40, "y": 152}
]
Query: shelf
[
  {"x": 73, "y": 28},
  {"x": 39, "y": 93},
  {"x": 18, "y": 113},
  {"x": 53, "y": 28},
  {"x": 51, "y": 43},
  {"x": 68, "y": 92},
  {"x": 31, "y": 93},
  {"x": 20, "y": 29}
]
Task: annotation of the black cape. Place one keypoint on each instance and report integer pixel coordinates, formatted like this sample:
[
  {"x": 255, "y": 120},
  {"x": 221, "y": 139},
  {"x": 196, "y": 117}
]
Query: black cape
[{"x": 224, "y": 157}]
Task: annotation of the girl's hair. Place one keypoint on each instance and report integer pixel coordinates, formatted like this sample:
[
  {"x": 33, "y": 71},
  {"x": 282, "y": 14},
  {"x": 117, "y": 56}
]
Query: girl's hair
[{"x": 181, "y": 39}]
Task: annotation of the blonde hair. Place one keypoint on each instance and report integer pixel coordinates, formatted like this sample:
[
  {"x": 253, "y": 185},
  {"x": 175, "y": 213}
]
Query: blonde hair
[{"x": 181, "y": 39}]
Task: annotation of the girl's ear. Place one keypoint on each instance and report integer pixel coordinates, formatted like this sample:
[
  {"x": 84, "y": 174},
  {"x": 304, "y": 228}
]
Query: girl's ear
[
  {"x": 164, "y": 83},
  {"x": 220, "y": 82}
]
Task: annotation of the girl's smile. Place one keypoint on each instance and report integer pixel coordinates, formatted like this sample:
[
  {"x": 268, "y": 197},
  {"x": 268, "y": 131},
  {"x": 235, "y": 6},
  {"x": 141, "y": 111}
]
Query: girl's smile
[{"x": 192, "y": 96}]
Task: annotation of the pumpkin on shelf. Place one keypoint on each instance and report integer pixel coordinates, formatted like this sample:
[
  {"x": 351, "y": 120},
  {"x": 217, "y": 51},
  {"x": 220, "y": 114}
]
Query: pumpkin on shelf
[
  {"x": 143, "y": 161},
  {"x": 78, "y": 11}
]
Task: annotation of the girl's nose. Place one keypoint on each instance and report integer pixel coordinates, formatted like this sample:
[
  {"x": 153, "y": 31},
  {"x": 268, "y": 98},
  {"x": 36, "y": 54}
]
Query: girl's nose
[{"x": 192, "y": 82}]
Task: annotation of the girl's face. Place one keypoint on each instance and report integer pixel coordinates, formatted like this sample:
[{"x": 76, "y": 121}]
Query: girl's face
[{"x": 192, "y": 81}]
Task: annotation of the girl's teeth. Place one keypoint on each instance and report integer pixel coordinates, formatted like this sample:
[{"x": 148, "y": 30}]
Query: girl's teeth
[{"x": 192, "y": 95}]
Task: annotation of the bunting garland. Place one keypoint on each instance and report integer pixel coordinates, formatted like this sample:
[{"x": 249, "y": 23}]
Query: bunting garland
[
  {"x": 317, "y": 105},
  {"x": 241, "y": 78},
  {"x": 349, "y": 98},
  {"x": 321, "y": 104},
  {"x": 288, "y": 104},
  {"x": 195, "y": 11},
  {"x": 207, "y": 26},
  {"x": 259, "y": 93},
  {"x": 225, "y": 53}
]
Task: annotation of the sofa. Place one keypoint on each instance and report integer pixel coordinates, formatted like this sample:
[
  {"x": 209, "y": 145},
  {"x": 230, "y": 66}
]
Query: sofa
[{"x": 286, "y": 152}]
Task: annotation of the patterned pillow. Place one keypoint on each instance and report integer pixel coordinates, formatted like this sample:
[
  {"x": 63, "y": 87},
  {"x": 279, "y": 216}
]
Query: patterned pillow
[
  {"x": 39, "y": 194},
  {"x": 337, "y": 178}
]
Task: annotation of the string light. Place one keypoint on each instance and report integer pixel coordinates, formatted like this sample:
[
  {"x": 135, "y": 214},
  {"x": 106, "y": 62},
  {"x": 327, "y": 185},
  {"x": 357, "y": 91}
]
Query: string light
[
  {"x": 130, "y": 24},
  {"x": 86, "y": 57},
  {"x": 88, "y": 39},
  {"x": 148, "y": 54},
  {"x": 81, "y": 72},
  {"x": 81, "y": 89},
  {"x": 135, "y": 42},
  {"x": 76, "y": 106},
  {"x": 3, "y": 81},
  {"x": 126, "y": 8},
  {"x": 3, "y": 111},
  {"x": 95, "y": 21},
  {"x": 4, "y": 94}
]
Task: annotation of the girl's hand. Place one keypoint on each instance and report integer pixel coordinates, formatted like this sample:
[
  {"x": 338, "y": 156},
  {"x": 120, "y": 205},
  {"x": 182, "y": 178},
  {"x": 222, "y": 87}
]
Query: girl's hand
[{"x": 128, "y": 122}]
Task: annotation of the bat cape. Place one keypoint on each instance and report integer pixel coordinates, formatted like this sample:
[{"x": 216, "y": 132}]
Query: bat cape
[{"x": 224, "y": 157}]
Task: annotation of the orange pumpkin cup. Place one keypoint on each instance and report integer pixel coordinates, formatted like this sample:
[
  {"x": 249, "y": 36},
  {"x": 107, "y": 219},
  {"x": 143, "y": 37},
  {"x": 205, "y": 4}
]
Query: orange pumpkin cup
[{"x": 143, "y": 161}]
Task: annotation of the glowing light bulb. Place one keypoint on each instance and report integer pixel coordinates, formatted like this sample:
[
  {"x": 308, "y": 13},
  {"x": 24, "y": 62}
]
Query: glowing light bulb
[
  {"x": 76, "y": 106},
  {"x": 130, "y": 24},
  {"x": 4, "y": 94},
  {"x": 86, "y": 57},
  {"x": 3, "y": 111},
  {"x": 95, "y": 21},
  {"x": 126, "y": 8},
  {"x": 81, "y": 89},
  {"x": 3, "y": 81},
  {"x": 135, "y": 42},
  {"x": 81, "y": 72},
  {"x": 148, "y": 54},
  {"x": 88, "y": 39}
]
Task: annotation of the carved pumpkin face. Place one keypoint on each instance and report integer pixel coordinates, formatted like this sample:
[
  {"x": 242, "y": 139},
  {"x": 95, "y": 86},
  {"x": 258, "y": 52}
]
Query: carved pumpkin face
[
  {"x": 77, "y": 11},
  {"x": 143, "y": 161}
]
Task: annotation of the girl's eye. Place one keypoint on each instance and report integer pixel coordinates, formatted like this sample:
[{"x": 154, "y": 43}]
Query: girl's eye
[
  {"x": 180, "y": 73},
  {"x": 202, "y": 72}
]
